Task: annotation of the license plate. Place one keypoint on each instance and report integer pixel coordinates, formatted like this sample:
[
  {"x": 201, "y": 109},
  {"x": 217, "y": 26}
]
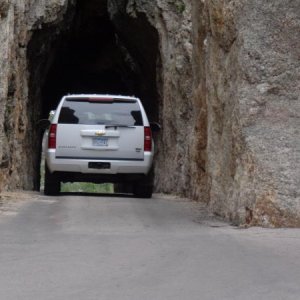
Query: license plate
[
  {"x": 99, "y": 165},
  {"x": 100, "y": 141}
]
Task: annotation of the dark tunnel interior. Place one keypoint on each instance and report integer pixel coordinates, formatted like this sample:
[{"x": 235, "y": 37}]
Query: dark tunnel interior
[
  {"x": 97, "y": 55},
  {"x": 92, "y": 53}
]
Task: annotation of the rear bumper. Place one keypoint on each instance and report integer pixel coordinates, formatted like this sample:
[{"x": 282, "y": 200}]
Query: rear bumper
[{"x": 80, "y": 166}]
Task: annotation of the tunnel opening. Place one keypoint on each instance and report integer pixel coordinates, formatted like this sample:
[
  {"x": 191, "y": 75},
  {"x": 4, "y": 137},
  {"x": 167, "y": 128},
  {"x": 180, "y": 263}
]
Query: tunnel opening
[{"x": 91, "y": 52}]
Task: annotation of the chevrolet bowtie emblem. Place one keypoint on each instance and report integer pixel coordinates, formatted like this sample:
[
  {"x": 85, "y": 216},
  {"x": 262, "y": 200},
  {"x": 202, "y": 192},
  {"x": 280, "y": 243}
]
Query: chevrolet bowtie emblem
[{"x": 99, "y": 132}]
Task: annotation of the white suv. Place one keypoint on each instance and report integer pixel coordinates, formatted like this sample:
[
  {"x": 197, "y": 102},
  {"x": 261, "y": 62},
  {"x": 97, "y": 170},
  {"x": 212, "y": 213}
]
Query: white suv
[{"x": 99, "y": 138}]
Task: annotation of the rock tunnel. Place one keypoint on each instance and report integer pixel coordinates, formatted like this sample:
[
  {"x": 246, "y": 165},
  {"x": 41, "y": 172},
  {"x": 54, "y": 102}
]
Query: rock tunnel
[
  {"x": 92, "y": 52},
  {"x": 219, "y": 84}
]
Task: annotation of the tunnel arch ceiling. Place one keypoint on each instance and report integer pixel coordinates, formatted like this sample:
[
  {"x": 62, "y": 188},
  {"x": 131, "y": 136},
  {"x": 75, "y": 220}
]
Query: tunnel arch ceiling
[
  {"x": 88, "y": 52},
  {"x": 95, "y": 54}
]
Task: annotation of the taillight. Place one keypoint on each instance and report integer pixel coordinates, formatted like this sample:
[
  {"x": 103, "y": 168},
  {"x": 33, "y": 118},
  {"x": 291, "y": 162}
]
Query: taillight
[
  {"x": 52, "y": 137},
  {"x": 148, "y": 139}
]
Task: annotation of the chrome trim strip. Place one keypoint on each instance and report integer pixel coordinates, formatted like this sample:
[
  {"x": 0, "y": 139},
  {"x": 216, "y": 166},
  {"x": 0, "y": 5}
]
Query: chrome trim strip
[{"x": 99, "y": 158}]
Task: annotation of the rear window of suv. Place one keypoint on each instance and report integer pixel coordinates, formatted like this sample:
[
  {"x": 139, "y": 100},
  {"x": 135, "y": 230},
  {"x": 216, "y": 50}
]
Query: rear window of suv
[{"x": 100, "y": 112}]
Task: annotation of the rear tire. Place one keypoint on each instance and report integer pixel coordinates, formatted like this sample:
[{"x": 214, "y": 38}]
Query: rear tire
[
  {"x": 143, "y": 190},
  {"x": 52, "y": 184},
  {"x": 144, "y": 187}
]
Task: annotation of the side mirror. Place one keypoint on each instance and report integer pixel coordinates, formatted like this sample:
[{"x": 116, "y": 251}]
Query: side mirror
[
  {"x": 51, "y": 115},
  {"x": 43, "y": 124},
  {"x": 155, "y": 127}
]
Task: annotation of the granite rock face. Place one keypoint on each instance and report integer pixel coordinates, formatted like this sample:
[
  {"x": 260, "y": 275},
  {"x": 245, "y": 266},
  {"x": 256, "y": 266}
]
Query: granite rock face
[
  {"x": 250, "y": 81},
  {"x": 228, "y": 86},
  {"x": 18, "y": 116}
]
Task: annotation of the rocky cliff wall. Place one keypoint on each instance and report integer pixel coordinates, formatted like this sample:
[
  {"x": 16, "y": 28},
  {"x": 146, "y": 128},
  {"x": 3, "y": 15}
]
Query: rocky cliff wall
[
  {"x": 230, "y": 106},
  {"x": 250, "y": 83},
  {"x": 19, "y": 147},
  {"x": 227, "y": 78}
]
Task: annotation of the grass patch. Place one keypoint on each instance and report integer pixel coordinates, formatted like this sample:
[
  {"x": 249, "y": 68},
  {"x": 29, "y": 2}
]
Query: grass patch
[{"x": 87, "y": 187}]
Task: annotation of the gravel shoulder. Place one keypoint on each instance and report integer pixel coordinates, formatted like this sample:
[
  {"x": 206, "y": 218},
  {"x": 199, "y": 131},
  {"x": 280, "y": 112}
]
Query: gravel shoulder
[{"x": 12, "y": 202}]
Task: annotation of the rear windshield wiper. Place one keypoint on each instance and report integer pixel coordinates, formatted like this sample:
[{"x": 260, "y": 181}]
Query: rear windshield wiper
[{"x": 119, "y": 125}]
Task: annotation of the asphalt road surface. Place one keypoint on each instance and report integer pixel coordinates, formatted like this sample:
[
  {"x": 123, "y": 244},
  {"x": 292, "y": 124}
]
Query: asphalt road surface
[{"x": 119, "y": 248}]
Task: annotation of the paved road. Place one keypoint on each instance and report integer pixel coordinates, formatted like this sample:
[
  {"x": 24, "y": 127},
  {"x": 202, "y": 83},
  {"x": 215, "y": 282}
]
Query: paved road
[{"x": 92, "y": 248}]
